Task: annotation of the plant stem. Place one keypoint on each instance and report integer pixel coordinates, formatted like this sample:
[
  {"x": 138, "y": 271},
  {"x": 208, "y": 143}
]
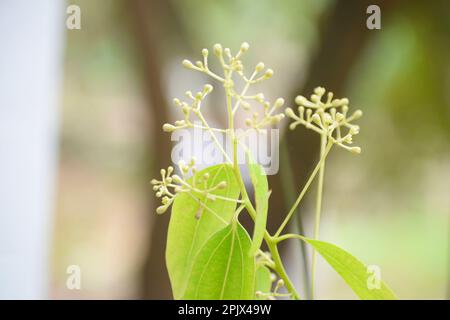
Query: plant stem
[
  {"x": 288, "y": 186},
  {"x": 271, "y": 243},
  {"x": 289, "y": 236},
  {"x": 211, "y": 132},
  {"x": 279, "y": 268},
  {"x": 305, "y": 188},
  {"x": 323, "y": 141}
]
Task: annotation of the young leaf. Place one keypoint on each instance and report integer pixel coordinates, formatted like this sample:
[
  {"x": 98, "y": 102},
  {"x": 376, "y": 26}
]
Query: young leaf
[
  {"x": 223, "y": 269},
  {"x": 260, "y": 185},
  {"x": 187, "y": 234},
  {"x": 263, "y": 280},
  {"x": 353, "y": 271}
]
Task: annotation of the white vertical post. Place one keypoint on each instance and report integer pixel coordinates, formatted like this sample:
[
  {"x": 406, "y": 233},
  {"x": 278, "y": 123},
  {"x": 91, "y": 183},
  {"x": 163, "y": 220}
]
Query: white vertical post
[{"x": 31, "y": 39}]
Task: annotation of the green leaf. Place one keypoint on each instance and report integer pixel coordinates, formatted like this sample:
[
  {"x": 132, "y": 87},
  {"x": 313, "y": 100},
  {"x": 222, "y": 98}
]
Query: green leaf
[
  {"x": 263, "y": 280},
  {"x": 353, "y": 271},
  {"x": 187, "y": 234},
  {"x": 261, "y": 188},
  {"x": 222, "y": 268}
]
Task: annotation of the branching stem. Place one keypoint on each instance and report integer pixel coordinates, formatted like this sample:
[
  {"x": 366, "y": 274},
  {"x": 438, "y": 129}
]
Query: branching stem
[
  {"x": 305, "y": 188},
  {"x": 323, "y": 142}
]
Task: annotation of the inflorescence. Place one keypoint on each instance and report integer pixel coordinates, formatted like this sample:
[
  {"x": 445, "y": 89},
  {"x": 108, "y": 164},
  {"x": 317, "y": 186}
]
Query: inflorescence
[
  {"x": 327, "y": 118},
  {"x": 171, "y": 184}
]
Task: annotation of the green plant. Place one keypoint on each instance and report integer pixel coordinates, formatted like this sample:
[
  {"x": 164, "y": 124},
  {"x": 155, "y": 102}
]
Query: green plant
[{"x": 209, "y": 254}]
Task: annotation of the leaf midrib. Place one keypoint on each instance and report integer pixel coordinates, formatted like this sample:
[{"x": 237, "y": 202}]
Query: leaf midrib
[
  {"x": 230, "y": 256},
  {"x": 325, "y": 252},
  {"x": 208, "y": 262},
  {"x": 189, "y": 261}
]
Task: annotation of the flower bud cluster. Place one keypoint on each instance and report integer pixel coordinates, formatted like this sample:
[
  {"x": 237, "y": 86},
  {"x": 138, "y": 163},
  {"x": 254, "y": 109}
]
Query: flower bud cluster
[
  {"x": 329, "y": 118},
  {"x": 171, "y": 184}
]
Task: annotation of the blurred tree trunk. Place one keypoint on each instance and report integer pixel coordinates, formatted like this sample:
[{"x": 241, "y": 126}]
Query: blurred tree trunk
[{"x": 154, "y": 278}]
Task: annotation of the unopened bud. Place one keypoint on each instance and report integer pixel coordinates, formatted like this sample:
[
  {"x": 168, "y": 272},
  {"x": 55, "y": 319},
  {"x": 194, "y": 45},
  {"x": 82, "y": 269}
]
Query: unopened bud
[
  {"x": 161, "y": 209},
  {"x": 279, "y": 102},
  {"x": 354, "y": 130},
  {"x": 290, "y": 113},
  {"x": 339, "y": 116},
  {"x": 357, "y": 114},
  {"x": 187, "y": 64},
  {"x": 168, "y": 127},
  {"x": 244, "y": 47},
  {"x": 320, "y": 91},
  {"x": 207, "y": 88},
  {"x": 218, "y": 49},
  {"x": 300, "y": 100},
  {"x": 315, "y": 98},
  {"x": 259, "y": 67},
  {"x": 268, "y": 74},
  {"x": 316, "y": 119},
  {"x": 259, "y": 97},
  {"x": 176, "y": 178},
  {"x": 177, "y": 101},
  {"x": 245, "y": 105}
]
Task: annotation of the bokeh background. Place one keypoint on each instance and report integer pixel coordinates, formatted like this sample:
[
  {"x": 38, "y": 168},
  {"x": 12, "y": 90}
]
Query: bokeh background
[{"x": 114, "y": 81}]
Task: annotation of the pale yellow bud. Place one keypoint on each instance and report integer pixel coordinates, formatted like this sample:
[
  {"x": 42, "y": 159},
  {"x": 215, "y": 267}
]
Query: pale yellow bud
[
  {"x": 354, "y": 130},
  {"x": 161, "y": 209},
  {"x": 268, "y": 74},
  {"x": 300, "y": 100},
  {"x": 177, "y": 101},
  {"x": 339, "y": 116},
  {"x": 168, "y": 127},
  {"x": 259, "y": 67},
  {"x": 218, "y": 49},
  {"x": 356, "y": 150},
  {"x": 316, "y": 119},
  {"x": 259, "y": 97},
  {"x": 279, "y": 102},
  {"x": 207, "y": 88},
  {"x": 176, "y": 178},
  {"x": 357, "y": 114},
  {"x": 187, "y": 64},
  {"x": 244, "y": 47},
  {"x": 245, "y": 105},
  {"x": 290, "y": 113},
  {"x": 320, "y": 91}
]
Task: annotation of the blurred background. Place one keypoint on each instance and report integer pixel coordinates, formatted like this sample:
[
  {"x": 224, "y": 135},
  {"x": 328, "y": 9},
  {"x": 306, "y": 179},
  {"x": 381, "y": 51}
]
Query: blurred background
[{"x": 80, "y": 136}]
